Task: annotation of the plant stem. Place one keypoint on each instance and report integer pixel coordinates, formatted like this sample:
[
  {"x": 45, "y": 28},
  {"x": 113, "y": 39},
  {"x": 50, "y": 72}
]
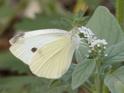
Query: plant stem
[
  {"x": 99, "y": 83},
  {"x": 98, "y": 80},
  {"x": 105, "y": 89},
  {"x": 120, "y": 11}
]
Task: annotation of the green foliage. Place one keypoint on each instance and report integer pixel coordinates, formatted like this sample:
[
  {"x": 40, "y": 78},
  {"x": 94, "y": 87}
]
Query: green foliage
[
  {"x": 115, "y": 81},
  {"x": 5, "y": 13},
  {"x": 115, "y": 53},
  {"x": 44, "y": 21},
  {"x": 82, "y": 72},
  {"x": 8, "y": 61},
  {"x": 30, "y": 84},
  {"x": 120, "y": 12},
  {"x": 105, "y": 26},
  {"x": 66, "y": 22},
  {"x": 50, "y": 9}
]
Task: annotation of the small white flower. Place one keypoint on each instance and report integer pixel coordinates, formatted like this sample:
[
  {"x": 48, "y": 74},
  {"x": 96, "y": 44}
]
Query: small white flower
[
  {"x": 98, "y": 42},
  {"x": 106, "y": 55},
  {"x": 88, "y": 34},
  {"x": 86, "y": 31},
  {"x": 104, "y": 47},
  {"x": 91, "y": 38},
  {"x": 89, "y": 51},
  {"x": 98, "y": 45}
]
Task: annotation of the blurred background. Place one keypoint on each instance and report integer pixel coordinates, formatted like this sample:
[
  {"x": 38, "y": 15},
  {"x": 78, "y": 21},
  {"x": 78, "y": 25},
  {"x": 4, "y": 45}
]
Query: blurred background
[{"x": 26, "y": 15}]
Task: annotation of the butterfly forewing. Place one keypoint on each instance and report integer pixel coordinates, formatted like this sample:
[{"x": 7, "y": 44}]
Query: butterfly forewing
[
  {"x": 45, "y": 32},
  {"x": 25, "y": 46}
]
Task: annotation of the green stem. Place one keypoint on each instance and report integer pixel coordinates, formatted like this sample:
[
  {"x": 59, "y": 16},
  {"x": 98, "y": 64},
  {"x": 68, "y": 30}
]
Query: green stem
[
  {"x": 98, "y": 81},
  {"x": 120, "y": 11},
  {"x": 105, "y": 89}
]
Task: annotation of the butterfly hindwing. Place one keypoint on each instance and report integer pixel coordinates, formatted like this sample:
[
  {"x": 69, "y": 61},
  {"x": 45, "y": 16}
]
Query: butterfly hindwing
[{"x": 53, "y": 59}]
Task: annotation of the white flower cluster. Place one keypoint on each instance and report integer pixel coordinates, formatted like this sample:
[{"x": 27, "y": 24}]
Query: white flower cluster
[
  {"x": 98, "y": 42},
  {"x": 86, "y": 31},
  {"x": 91, "y": 38}
]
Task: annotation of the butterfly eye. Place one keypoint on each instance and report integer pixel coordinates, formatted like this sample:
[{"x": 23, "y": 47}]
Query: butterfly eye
[{"x": 33, "y": 49}]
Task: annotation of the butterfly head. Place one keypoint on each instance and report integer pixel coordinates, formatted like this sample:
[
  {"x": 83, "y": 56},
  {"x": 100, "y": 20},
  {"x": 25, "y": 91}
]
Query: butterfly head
[{"x": 17, "y": 36}]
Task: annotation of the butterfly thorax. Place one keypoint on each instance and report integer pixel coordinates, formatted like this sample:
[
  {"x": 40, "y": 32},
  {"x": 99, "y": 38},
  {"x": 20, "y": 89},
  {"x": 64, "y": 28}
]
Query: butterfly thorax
[{"x": 75, "y": 38}]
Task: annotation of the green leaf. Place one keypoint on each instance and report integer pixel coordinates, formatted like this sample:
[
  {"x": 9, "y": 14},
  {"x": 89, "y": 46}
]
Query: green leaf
[
  {"x": 82, "y": 72},
  {"x": 115, "y": 53},
  {"x": 11, "y": 63},
  {"x": 115, "y": 81},
  {"x": 55, "y": 83},
  {"x": 81, "y": 53},
  {"x": 68, "y": 75},
  {"x": 105, "y": 26},
  {"x": 61, "y": 89},
  {"x": 43, "y": 22},
  {"x": 23, "y": 84},
  {"x": 31, "y": 84}
]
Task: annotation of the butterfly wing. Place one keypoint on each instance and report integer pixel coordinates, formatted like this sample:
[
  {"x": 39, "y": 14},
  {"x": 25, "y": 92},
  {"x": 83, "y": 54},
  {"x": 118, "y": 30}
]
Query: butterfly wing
[
  {"x": 24, "y": 45},
  {"x": 53, "y": 59},
  {"x": 44, "y": 32}
]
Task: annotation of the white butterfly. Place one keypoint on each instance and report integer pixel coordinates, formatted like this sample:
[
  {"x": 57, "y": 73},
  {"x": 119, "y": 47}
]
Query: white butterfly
[{"x": 47, "y": 52}]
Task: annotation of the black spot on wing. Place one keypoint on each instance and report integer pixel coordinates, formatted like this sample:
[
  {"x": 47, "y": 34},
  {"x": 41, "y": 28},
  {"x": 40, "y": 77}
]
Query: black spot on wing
[{"x": 34, "y": 49}]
